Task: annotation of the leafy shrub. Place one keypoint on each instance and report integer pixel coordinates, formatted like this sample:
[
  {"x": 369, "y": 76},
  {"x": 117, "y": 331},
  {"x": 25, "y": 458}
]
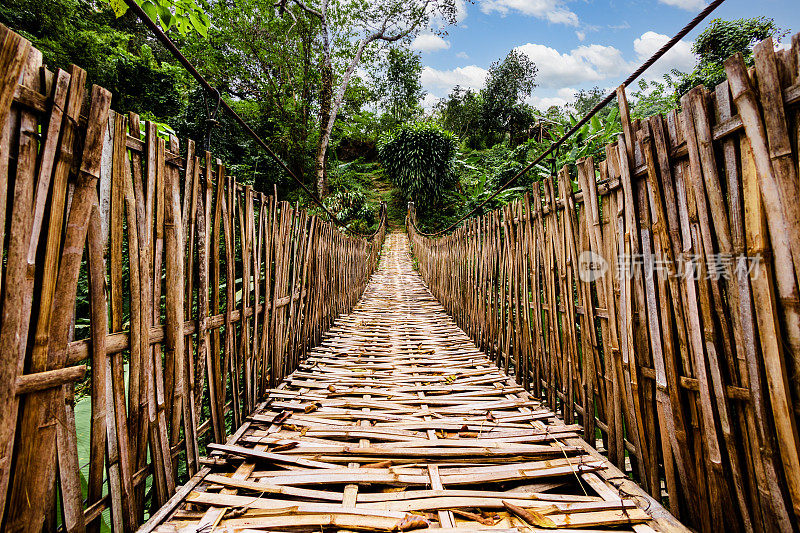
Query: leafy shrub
[
  {"x": 418, "y": 158},
  {"x": 352, "y": 209}
]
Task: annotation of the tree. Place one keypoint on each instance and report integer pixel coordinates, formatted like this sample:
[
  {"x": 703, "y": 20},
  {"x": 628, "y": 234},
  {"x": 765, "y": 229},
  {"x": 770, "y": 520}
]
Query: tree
[
  {"x": 719, "y": 41},
  {"x": 348, "y": 29},
  {"x": 267, "y": 65},
  {"x": 113, "y": 51},
  {"x": 461, "y": 112},
  {"x": 419, "y": 160},
  {"x": 654, "y": 98},
  {"x": 402, "y": 89},
  {"x": 585, "y": 100},
  {"x": 508, "y": 83}
]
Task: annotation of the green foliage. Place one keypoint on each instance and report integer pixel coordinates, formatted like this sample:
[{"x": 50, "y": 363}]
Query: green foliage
[
  {"x": 654, "y": 98},
  {"x": 484, "y": 118},
  {"x": 461, "y": 113},
  {"x": 401, "y": 89},
  {"x": 419, "y": 159},
  {"x": 719, "y": 41},
  {"x": 508, "y": 83},
  {"x": 586, "y": 100},
  {"x": 88, "y": 35},
  {"x": 352, "y": 209},
  {"x": 269, "y": 67},
  {"x": 184, "y": 15}
]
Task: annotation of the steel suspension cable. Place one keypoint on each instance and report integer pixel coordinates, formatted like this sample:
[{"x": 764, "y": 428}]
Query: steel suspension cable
[
  {"x": 169, "y": 45},
  {"x": 600, "y": 105}
]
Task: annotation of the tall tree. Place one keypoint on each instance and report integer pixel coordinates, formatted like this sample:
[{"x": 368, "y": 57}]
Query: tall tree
[
  {"x": 348, "y": 29},
  {"x": 460, "y": 113},
  {"x": 402, "y": 88},
  {"x": 508, "y": 83}
]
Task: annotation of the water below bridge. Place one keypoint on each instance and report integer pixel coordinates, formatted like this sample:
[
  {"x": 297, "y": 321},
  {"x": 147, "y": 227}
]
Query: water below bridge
[{"x": 398, "y": 422}]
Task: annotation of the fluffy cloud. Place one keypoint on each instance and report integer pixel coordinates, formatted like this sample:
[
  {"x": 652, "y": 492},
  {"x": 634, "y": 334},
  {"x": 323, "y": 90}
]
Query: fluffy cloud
[
  {"x": 429, "y": 42},
  {"x": 471, "y": 76},
  {"x": 462, "y": 55},
  {"x": 679, "y": 57},
  {"x": 564, "y": 96},
  {"x": 428, "y": 102},
  {"x": 588, "y": 63},
  {"x": 551, "y": 10},
  {"x": 688, "y": 5},
  {"x": 581, "y": 35}
]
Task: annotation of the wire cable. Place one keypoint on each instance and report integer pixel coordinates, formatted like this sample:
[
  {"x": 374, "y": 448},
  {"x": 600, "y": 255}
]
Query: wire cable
[
  {"x": 600, "y": 105},
  {"x": 169, "y": 45}
]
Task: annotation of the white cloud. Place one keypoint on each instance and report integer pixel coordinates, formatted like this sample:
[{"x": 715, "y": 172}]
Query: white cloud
[
  {"x": 551, "y": 10},
  {"x": 587, "y": 63},
  {"x": 563, "y": 96},
  {"x": 462, "y": 55},
  {"x": 429, "y": 42},
  {"x": 428, "y": 102},
  {"x": 688, "y": 5},
  {"x": 546, "y": 103},
  {"x": 678, "y": 57},
  {"x": 461, "y": 11},
  {"x": 581, "y": 35},
  {"x": 472, "y": 77}
]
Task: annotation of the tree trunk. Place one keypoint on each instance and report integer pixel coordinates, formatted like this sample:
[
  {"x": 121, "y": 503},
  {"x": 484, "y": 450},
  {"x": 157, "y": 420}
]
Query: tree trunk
[
  {"x": 325, "y": 100},
  {"x": 331, "y": 110}
]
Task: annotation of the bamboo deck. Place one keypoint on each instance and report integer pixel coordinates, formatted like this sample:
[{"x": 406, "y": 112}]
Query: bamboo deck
[{"x": 397, "y": 422}]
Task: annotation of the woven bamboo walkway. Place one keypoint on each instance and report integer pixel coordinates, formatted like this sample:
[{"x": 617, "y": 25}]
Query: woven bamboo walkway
[{"x": 397, "y": 422}]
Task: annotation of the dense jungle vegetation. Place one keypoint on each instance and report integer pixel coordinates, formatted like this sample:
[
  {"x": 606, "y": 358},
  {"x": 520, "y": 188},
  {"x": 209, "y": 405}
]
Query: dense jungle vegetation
[{"x": 335, "y": 90}]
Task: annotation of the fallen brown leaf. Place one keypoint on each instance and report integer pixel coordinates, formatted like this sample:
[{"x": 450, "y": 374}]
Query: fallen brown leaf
[
  {"x": 281, "y": 417},
  {"x": 284, "y": 447},
  {"x": 410, "y": 522}
]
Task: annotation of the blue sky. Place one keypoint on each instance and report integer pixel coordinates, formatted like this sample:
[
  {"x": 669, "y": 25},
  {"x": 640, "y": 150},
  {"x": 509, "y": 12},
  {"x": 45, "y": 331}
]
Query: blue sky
[{"x": 575, "y": 43}]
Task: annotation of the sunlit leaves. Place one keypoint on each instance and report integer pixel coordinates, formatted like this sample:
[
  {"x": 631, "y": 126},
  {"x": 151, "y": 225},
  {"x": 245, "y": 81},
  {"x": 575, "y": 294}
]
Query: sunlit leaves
[{"x": 184, "y": 15}]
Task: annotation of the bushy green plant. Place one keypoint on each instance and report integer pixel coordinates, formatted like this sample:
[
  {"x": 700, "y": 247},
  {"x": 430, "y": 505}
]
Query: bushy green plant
[
  {"x": 352, "y": 209},
  {"x": 418, "y": 158},
  {"x": 720, "y": 40},
  {"x": 654, "y": 98}
]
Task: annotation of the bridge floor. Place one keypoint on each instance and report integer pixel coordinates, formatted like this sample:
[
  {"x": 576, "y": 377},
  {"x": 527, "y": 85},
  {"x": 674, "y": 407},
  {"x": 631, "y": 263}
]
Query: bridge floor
[{"x": 397, "y": 422}]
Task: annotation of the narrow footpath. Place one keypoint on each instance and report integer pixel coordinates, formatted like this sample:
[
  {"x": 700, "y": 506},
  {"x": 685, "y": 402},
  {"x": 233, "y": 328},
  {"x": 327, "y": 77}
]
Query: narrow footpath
[{"x": 397, "y": 422}]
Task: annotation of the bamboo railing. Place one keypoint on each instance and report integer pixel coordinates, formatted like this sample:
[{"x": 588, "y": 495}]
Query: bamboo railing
[
  {"x": 202, "y": 294},
  {"x": 657, "y": 305}
]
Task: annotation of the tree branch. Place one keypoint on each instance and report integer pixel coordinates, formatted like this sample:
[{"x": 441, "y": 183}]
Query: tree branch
[{"x": 304, "y": 7}]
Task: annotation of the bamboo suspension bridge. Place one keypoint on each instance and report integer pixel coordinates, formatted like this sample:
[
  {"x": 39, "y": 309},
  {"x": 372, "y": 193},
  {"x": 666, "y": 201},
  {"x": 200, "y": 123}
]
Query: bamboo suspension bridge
[
  {"x": 624, "y": 356},
  {"x": 396, "y": 422}
]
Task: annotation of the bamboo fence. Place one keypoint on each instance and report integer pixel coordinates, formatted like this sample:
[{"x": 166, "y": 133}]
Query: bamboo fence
[
  {"x": 655, "y": 302},
  {"x": 202, "y": 294}
]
